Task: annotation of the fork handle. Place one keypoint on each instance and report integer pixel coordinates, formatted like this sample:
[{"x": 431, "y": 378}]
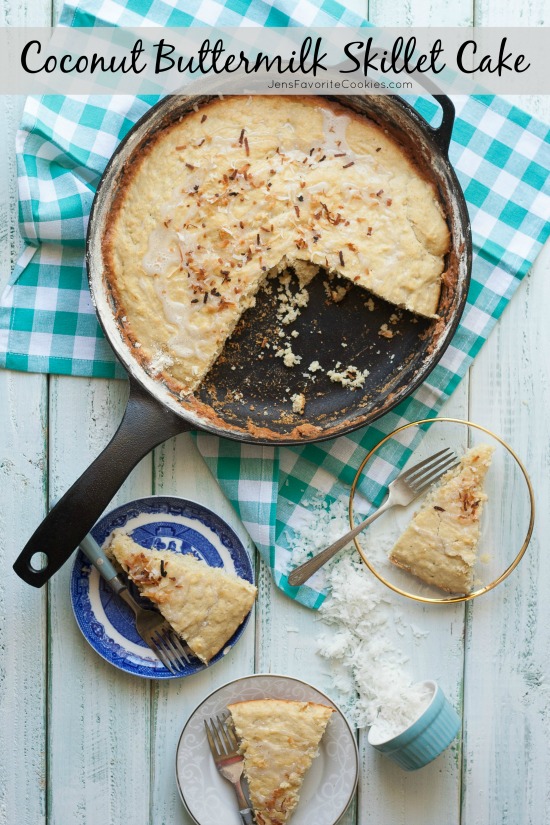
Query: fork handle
[
  {"x": 302, "y": 573},
  {"x": 95, "y": 554},
  {"x": 247, "y": 815}
]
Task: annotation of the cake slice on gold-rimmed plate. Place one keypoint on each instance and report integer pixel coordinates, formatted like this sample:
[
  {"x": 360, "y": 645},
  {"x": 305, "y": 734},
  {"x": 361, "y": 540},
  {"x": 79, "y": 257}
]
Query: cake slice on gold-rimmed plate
[
  {"x": 439, "y": 546},
  {"x": 279, "y": 741}
]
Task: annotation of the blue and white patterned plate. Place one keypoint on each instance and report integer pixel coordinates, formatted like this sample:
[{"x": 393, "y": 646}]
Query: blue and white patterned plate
[{"x": 166, "y": 523}]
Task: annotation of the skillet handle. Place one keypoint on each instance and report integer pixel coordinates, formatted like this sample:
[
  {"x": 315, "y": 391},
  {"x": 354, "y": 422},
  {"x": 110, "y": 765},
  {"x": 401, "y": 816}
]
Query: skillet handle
[
  {"x": 145, "y": 425},
  {"x": 442, "y": 134}
]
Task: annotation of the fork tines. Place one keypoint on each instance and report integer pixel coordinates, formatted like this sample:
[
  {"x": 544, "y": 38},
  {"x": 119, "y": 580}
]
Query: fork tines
[
  {"x": 170, "y": 650},
  {"x": 425, "y": 472},
  {"x": 221, "y": 737}
]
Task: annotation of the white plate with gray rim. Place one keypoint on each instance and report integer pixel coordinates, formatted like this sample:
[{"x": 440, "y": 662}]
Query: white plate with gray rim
[{"x": 328, "y": 787}]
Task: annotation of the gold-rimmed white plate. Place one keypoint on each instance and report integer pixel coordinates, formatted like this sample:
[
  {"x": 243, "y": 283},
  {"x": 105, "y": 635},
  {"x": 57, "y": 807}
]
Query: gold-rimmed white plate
[
  {"x": 328, "y": 787},
  {"x": 506, "y": 524}
]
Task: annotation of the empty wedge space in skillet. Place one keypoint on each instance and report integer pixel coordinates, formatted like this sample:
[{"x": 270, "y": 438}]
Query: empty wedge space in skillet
[
  {"x": 244, "y": 188},
  {"x": 344, "y": 345}
]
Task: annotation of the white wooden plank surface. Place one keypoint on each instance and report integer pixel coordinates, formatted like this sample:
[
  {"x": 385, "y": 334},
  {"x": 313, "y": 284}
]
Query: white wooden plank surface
[
  {"x": 107, "y": 741},
  {"x": 23, "y": 480},
  {"x": 507, "y": 703},
  {"x": 23, "y": 627}
]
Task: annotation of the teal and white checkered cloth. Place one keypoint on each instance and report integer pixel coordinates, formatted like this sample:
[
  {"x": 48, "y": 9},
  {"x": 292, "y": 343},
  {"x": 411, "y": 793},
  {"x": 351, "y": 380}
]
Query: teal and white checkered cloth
[{"x": 48, "y": 324}]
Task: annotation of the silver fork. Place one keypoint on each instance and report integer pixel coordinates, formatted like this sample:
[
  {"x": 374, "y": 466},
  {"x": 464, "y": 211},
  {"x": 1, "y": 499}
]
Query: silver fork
[
  {"x": 230, "y": 763},
  {"x": 153, "y": 628},
  {"x": 402, "y": 491}
]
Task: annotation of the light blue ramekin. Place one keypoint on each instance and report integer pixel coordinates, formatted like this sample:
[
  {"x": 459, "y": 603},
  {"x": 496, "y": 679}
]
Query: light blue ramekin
[{"x": 427, "y": 737}]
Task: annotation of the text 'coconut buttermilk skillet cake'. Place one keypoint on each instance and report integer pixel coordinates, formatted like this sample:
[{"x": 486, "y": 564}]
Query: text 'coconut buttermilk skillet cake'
[{"x": 244, "y": 189}]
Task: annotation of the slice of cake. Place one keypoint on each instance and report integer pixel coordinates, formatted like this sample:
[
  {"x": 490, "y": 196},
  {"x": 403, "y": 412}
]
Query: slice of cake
[
  {"x": 205, "y": 605},
  {"x": 279, "y": 741},
  {"x": 439, "y": 545}
]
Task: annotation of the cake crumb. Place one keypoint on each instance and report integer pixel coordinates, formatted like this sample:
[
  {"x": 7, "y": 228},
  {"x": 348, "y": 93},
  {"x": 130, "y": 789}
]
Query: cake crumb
[
  {"x": 338, "y": 294},
  {"x": 290, "y": 359},
  {"x": 351, "y": 376},
  {"x": 298, "y": 402},
  {"x": 385, "y": 332}
]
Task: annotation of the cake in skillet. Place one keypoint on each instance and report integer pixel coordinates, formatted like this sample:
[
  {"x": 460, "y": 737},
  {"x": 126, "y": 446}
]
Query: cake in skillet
[
  {"x": 439, "y": 546},
  {"x": 279, "y": 741},
  {"x": 205, "y": 605},
  {"x": 246, "y": 187}
]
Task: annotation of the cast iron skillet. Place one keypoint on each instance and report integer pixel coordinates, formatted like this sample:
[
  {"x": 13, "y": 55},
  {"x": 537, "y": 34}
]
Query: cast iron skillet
[{"x": 251, "y": 401}]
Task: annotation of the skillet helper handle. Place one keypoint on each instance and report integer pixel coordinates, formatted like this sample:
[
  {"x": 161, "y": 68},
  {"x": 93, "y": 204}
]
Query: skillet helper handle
[
  {"x": 145, "y": 425},
  {"x": 95, "y": 554},
  {"x": 442, "y": 133}
]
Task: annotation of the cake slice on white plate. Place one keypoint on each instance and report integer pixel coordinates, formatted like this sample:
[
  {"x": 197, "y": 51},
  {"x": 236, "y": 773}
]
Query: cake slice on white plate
[
  {"x": 205, "y": 605},
  {"x": 440, "y": 544},
  {"x": 279, "y": 741}
]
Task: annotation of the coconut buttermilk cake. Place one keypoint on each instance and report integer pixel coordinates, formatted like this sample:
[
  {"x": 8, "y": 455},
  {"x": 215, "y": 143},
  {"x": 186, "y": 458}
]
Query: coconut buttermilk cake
[
  {"x": 439, "y": 546},
  {"x": 204, "y": 605},
  {"x": 245, "y": 188},
  {"x": 279, "y": 741}
]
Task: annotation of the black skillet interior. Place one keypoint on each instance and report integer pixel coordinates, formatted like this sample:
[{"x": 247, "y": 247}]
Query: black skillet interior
[{"x": 360, "y": 330}]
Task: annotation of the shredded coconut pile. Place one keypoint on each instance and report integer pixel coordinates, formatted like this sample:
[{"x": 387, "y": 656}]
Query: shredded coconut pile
[
  {"x": 368, "y": 670},
  {"x": 399, "y": 712}
]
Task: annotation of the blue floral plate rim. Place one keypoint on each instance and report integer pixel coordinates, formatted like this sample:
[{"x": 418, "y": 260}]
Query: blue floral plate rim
[{"x": 170, "y": 522}]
